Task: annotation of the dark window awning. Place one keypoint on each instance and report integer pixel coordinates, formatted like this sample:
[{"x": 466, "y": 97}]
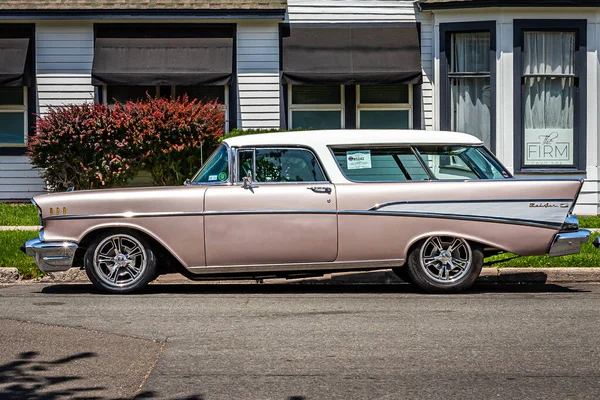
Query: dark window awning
[
  {"x": 13, "y": 59},
  {"x": 346, "y": 54},
  {"x": 163, "y": 61}
]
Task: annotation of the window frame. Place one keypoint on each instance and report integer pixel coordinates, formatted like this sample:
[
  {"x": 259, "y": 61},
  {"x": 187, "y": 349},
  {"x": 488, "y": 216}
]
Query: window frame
[
  {"x": 24, "y": 109},
  {"x": 237, "y": 180},
  {"x": 446, "y": 31},
  {"x": 385, "y": 106},
  {"x": 579, "y": 26},
  {"x": 173, "y": 95},
  {"x": 317, "y": 107}
]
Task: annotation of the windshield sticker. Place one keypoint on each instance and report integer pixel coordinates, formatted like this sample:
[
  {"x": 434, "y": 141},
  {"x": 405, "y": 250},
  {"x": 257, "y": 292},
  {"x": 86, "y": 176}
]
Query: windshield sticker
[
  {"x": 358, "y": 159},
  {"x": 223, "y": 176},
  {"x": 212, "y": 177}
]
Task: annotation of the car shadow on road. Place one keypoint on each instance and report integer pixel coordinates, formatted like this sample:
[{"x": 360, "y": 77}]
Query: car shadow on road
[{"x": 294, "y": 288}]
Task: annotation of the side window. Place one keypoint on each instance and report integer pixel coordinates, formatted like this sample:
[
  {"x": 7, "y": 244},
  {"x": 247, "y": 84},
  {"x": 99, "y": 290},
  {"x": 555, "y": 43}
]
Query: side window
[
  {"x": 280, "y": 165},
  {"x": 380, "y": 165}
]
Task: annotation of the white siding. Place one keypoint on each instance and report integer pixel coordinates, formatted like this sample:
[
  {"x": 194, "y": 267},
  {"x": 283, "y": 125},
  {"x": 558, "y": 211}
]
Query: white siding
[
  {"x": 371, "y": 11},
  {"x": 18, "y": 181},
  {"x": 64, "y": 53},
  {"x": 258, "y": 74}
]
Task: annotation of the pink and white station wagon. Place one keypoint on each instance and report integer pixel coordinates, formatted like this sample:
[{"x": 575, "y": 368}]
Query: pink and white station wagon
[{"x": 429, "y": 205}]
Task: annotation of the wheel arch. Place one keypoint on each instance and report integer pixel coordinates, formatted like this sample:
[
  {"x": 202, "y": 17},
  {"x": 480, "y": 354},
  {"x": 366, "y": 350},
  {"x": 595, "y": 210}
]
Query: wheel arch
[
  {"x": 469, "y": 238},
  {"x": 158, "y": 245}
]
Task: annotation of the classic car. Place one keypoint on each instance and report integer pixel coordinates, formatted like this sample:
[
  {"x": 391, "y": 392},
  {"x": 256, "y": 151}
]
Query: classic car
[{"x": 428, "y": 205}]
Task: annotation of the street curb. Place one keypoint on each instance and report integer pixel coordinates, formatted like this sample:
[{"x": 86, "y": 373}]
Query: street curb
[
  {"x": 488, "y": 275},
  {"x": 20, "y": 228}
]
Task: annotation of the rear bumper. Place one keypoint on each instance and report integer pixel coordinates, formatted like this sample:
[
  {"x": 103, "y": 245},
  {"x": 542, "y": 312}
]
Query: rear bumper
[
  {"x": 51, "y": 256},
  {"x": 568, "y": 242}
]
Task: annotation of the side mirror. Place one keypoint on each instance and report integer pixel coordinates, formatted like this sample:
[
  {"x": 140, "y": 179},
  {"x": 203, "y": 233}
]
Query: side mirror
[{"x": 247, "y": 182}]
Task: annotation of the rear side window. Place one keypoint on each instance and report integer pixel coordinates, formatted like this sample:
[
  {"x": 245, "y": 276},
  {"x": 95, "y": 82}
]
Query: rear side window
[
  {"x": 279, "y": 165},
  {"x": 380, "y": 165}
]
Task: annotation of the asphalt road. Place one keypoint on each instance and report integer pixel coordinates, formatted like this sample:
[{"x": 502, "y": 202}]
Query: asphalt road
[{"x": 299, "y": 341}]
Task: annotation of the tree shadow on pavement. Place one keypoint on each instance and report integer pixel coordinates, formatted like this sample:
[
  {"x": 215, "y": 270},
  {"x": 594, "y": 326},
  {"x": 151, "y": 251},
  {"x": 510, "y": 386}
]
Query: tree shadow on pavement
[{"x": 28, "y": 378}]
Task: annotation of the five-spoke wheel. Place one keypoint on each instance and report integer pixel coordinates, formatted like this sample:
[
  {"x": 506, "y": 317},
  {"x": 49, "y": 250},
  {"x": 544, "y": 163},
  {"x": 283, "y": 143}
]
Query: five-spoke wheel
[
  {"x": 444, "y": 264},
  {"x": 120, "y": 262}
]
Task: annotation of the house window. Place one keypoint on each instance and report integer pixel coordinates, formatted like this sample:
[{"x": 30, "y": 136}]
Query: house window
[
  {"x": 384, "y": 106},
  {"x": 467, "y": 67},
  {"x": 13, "y": 116},
  {"x": 551, "y": 123},
  {"x": 316, "y": 107}
]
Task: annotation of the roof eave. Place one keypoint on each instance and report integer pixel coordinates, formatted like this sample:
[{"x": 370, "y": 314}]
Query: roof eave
[
  {"x": 446, "y": 5},
  {"x": 127, "y": 14}
]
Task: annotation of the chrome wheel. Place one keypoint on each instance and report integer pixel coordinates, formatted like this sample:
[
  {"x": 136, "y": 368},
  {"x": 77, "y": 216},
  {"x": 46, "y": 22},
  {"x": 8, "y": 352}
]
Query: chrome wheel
[
  {"x": 446, "y": 259},
  {"x": 119, "y": 260}
]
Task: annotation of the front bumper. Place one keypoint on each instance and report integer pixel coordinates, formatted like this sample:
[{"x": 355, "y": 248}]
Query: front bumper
[
  {"x": 51, "y": 256},
  {"x": 568, "y": 242}
]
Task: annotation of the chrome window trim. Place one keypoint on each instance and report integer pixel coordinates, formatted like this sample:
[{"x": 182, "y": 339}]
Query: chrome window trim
[{"x": 237, "y": 181}]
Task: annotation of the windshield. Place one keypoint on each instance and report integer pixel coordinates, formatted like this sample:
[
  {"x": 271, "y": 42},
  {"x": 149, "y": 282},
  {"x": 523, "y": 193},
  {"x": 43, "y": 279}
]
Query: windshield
[
  {"x": 216, "y": 168},
  {"x": 399, "y": 164}
]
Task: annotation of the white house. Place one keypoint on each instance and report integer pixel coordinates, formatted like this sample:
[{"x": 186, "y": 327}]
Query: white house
[{"x": 521, "y": 75}]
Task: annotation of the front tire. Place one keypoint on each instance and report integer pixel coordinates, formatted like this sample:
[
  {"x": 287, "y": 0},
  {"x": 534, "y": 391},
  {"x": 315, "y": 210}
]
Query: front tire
[
  {"x": 444, "y": 264},
  {"x": 120, "y": 262}
]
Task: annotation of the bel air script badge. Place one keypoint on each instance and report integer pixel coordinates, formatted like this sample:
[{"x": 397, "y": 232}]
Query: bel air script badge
[{"x": 549, "y": 205}]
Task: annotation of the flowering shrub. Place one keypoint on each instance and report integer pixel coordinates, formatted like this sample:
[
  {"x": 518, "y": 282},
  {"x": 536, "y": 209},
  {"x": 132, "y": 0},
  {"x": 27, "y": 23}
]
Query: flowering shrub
[{"x": 91, "y": 146}]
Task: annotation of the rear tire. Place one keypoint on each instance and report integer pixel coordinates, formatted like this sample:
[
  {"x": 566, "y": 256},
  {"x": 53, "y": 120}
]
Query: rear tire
[
  {"x": 120, "y": 262},
  {"x": 444, "y": 264}
]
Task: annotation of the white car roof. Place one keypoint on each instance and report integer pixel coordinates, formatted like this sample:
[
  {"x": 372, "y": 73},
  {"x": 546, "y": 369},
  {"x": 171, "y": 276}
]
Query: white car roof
[{"x": 354, "y": 136}]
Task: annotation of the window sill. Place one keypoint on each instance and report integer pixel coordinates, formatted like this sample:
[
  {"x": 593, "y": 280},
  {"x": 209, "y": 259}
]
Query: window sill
[{"x": 548, "y": 171}]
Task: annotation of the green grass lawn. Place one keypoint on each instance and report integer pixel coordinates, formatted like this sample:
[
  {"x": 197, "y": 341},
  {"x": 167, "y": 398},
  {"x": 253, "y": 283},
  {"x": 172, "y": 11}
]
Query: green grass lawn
[
  {"x": 589, "y": 221},
  {"x": 12, "y": 256},
  {"x": 18, "y": 215},
  {"x": 588, "y": 257}
]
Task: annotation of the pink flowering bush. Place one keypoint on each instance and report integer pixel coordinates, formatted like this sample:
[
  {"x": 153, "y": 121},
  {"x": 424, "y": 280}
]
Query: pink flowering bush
[{"x": 93, "y": 146}]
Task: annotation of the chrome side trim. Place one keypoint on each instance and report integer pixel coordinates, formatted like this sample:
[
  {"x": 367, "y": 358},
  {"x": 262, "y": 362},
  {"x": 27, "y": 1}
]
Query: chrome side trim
[
  {"x": 393, "y": 203},
  {"x": 51, "y": 256},
  {"x": 513, "y": 221},
  {"x": 509, "y": 221},
  {"x": 568, "y": 243},
  {"x": 334, "y": 265},
  {"x": 571, "y": 223}
]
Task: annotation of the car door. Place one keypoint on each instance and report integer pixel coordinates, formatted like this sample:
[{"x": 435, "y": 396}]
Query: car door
[{"x": 287, "y": 215}]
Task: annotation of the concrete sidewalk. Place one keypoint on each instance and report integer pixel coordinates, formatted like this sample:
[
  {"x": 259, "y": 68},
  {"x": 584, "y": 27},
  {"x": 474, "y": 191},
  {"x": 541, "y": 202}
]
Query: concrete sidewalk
[{"x": 488, "y": 275}]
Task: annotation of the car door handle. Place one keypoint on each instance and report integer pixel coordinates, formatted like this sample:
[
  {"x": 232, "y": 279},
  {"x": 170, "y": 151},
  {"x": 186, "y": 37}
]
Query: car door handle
[{"x": 320, "y": 189}]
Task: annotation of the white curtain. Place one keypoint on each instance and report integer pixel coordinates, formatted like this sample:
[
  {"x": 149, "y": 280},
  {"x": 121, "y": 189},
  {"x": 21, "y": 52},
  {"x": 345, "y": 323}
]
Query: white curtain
[
  {"x": 549, "y": 99},
  {"x": 471, "y": 107},
  {"x": 471, "y": 97},
  {"x": 470, "y": 52}
]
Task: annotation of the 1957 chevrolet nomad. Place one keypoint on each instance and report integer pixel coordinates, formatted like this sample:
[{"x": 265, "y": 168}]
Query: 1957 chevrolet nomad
[{"x": 429, "y": 205}]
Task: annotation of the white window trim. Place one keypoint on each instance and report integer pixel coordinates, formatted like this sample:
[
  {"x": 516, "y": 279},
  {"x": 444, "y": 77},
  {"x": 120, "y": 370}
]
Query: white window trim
[
  {"x": 386, "y": 106},
  {"x": 317, "y": 107},
  {"x": 225, "y": 104},
  {"x": 18, "y": 108}
]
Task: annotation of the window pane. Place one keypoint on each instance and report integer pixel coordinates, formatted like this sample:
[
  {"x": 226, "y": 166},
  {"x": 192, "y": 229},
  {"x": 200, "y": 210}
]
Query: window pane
[
  {"x": 461, "y": 162},
  {"x": 287, "y": 165},
  {"x": 376, "y": 165},
  {"x": 165, "y": 92},
  {"x": 316, "y": 94},
  {"x": 549, "y": 53},
  {"x": 384, "y": 119},
  {"x": 316, "y": 119},
  {"x": 548, "y": 120},
  {"x": 11, "y": 96},
  {"x": 470, "y": 52},
  {"x": 471, "y": 107},
  {"x": 124, "y": 93},
  {"x": 215, "y": 169},
  {"x": 12, "y": 127},
  {"x": 202, "y": 93},
  {"x": 246, "y": 164},
  {"x": 382, "y": 94}
]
